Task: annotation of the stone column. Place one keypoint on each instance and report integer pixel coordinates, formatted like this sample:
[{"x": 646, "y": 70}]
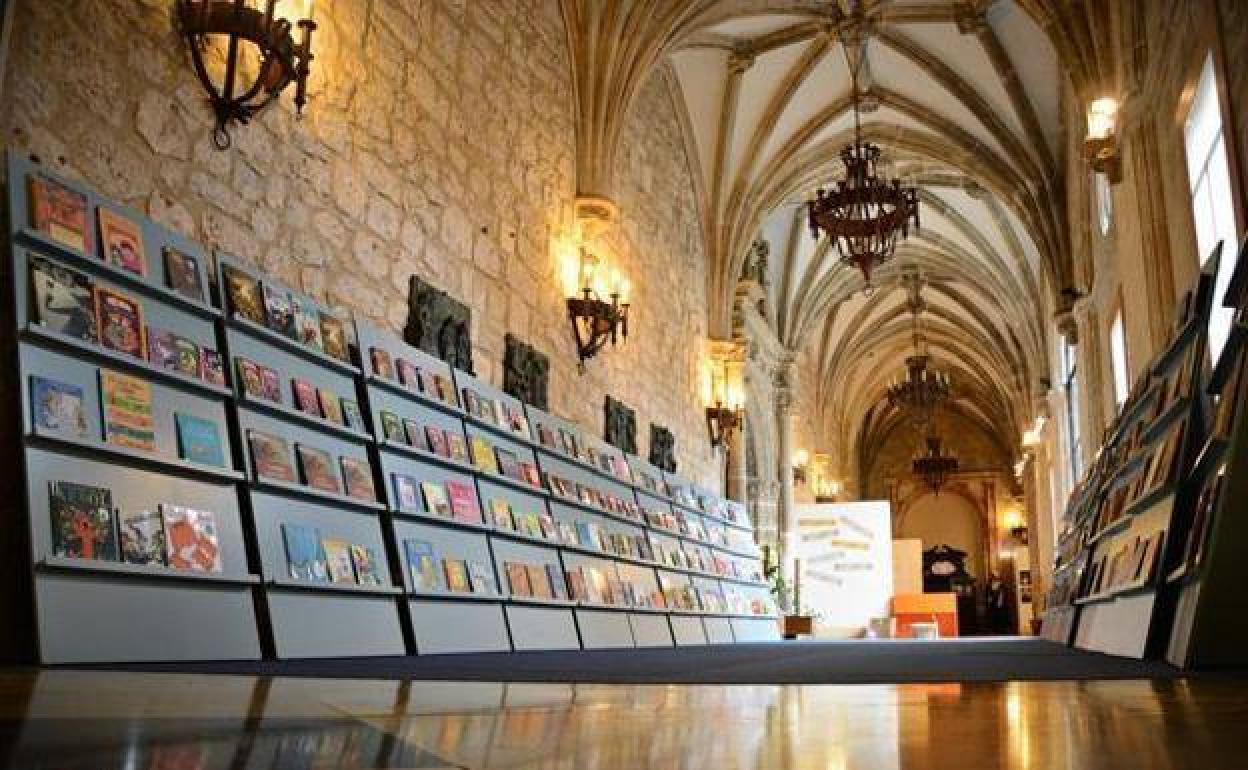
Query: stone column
[
  {"x": 784, "y": 435},
  {"x": 734, "y": 460}
]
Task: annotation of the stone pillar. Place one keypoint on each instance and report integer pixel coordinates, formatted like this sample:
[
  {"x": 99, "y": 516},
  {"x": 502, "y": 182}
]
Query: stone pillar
[
  {"x": 735, "y": 470},
  {"x": 784, "y": 435}
]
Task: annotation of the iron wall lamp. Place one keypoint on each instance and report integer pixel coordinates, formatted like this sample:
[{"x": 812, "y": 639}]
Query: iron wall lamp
[
  {"x": 722, "y": 422},
  {"x": 1100, "y": 148},
  {"x": 597, "y": 321},
  {"x": 801, "y": 462}
]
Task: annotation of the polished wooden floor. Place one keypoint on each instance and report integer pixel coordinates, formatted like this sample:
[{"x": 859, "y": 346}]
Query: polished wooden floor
[{"x": 68, "y": 719}]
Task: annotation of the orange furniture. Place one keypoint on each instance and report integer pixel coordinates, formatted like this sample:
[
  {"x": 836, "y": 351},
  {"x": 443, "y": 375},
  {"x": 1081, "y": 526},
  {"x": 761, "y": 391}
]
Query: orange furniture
[{"x": 926, "y": 608}]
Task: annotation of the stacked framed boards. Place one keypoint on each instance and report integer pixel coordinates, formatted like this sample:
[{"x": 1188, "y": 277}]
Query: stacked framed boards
[
  {"x": 1211, "y": 567},
  {"x": 217, "y": 467},
  {"x": 1127, "y": 521}
]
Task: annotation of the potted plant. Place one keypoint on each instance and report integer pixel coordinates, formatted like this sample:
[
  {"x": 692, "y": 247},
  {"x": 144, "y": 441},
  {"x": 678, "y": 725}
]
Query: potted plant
[{"x": 789, "y": 600}]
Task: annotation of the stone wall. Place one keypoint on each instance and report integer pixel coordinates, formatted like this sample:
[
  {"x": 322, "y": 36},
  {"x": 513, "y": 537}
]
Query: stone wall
[
  {"x": 438, "y": 141},
  {"x": 974, "y": 448}
]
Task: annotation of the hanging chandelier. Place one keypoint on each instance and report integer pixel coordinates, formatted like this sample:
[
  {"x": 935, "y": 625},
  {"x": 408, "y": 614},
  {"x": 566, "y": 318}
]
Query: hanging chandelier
[
  {"x": 936, "y": 465},
  {"x": 862, "y": 214},
  {"x": 921, "y": 391}
]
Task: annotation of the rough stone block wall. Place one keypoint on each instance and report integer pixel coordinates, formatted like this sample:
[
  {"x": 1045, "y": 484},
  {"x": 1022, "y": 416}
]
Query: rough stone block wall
[{"x": 438, "y": 141}]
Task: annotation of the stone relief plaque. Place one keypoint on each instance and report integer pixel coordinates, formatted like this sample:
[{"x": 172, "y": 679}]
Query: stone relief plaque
[
  {"x": 620, "y": 426},
  {"x": 526, "y": 373},
  {"x": 439, "y": 325},
  {"x": 662, "y": 448}
]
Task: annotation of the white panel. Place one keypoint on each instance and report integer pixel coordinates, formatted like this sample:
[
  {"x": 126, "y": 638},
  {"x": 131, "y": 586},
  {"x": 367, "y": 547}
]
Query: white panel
[{"x": 847, "y": 562}]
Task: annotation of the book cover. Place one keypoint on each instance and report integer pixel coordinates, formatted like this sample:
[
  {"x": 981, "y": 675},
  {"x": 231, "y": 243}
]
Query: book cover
[
  {"x": 64, "y": 300},
  {"x": 383, "y": 365},
  {"x": 243, "y": 293},
  {"x": 456, "y": 575},
  {"x": 481, "y": 575},
  {"x": 392, "y": 427},
  {"x": 121, "y": 241},
  {"x": 304, "y": 557},
  {"x": 500, "y": 514},
  {"x": 518, "y": 579},
  {"x": 59, "y": 212},
  {"x": 456, "y": 447},
  {"x": 83, "y": 521},
  {"x": 546, "y": 436},
  {"x": 270, "y": 383},
  {"x": 529, "y": 524},
  {"x": 338, "y": 560},
  {"x": 142, "y": 537},
  {"x": 358, "y": 475},
  {"x": 317, "y": 468},
  {"x": 162, "y": 349},
  {"x": 508, "y": 464},
  {"x": 126, "y": 404},
  {"x": 414, "y": 434},
  {"x": 306, "y": 398},
  {"x": 279, "y": 313},
  {"x": 307, "y": 321},
  {"x": 186, "y": 356},
  {"x": 472, "y": 402},
  {"x": 547, "y": 524},
  {"x": 567, "y": 533},
  {"x": 334, "y": 336},
  {"x": 119, "y": 318},
  {"x": 557, "y": 585},
  {"x": 463, "y": 502},
  {"x": 270, "y": 456},
  {"x": 539, "y": 581},
  {"x": 352, "y": 415},
  {"x": 483, "y": 455},
  {"x": 365, "y": 561},
  {"x": 199, "y": 440},
  {"x": 429, "y": 384},
  {"x": 437, "y": 441},
  {"x": 422, "y": 565},
  {"x": 249, "y": 377},
  {"x": 444, "y": 390},
  {"x": 409, "y": 375},
  {"x": 406, "y": 492},
  {"x": 58, "y": 407},
  {"x": 331, "y": 405},
  {"x": 182, "y": 274},
  {"x": 436, "y": 500},
  {"x": 192, "y": 539},
  {"x": 577, "y": 587}
]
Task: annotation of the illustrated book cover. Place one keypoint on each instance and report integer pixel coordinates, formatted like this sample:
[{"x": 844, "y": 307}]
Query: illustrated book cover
[
  {"x": 358, "y": 476},
  {"x": 409, "y": 375},
  {"x": 331, "y": 406},
  {"x": 192, "y": 539},
  {"x": 334, "y": 336},
  {"x": 539, "y": 581},
  {"x": 58, "y": 407},
  {"x": 121, "y": 241},
  {"x": 392, "y": 427},
  {"x": 270, "y": 456},
  {"x": 182, "y": 274},
  {"x": 126, "y": 406},
  {"x": 422, "y": 564},
  {"x": 463, "y": 502},
  {"x": 517, "y": 579},
  {"x": 304, "y": 558},
  {"x": 279, "y": 313},
  {"x": 59, "y": 212},
  {"x": 317, "y": 468},
  {"x": 270, "y": 384},
  {"x": 406, "y": 492},
  {"x": 307, "y": 321},
  {"x": 483, "y": 455},
  {"x": 119, "y": 318},
  {"x": 338, "y": 560},
  {"x": 383, "y": 365},
  {"x": 243, "y": 293},
  {"x": 199, "y": 440},
  {"x": 84, "y": 524},
  {"x": 64, "y": 300},
  {"x": 142, "y": 537},
  {"x": 249, "y": 377},
  {"x": 365, "y": 561},
  {"x": 306, "y": 399},
  {"x": 456, "y": 575},
  {"x": 500, "y": 514},
  {"x": 352, "y": 415},
  {"x": 436, "y": 500}
]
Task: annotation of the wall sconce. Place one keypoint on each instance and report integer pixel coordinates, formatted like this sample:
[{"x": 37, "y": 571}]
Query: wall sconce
[
  {"x": 725, "y": 411},
  {"x": 827, "y": 490},
  {"x": 281, "y": 60},
  {"x": 597, "y": 321},
  {"x": 1015, "y": 525},
  {"x": 801, "y": 462},
  {"x": 1100, "y": 148}
]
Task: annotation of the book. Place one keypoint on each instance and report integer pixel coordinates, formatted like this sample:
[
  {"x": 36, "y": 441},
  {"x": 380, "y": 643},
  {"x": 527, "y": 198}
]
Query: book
[
  {"x": 126, "y": 406},
  {"x": 121, "y": 242},
  {"x": 463, "y": 502},
  {"x": 192, "y": 539},
  {"x": 304, "y": 558},
  {"x": 365, "y": 561},
  {"x": 307, "y": 321},
  {"x": 429, "y": 384},
  {"x": 243, "y": 293},
  {"x": 83, "y": 521},
  {"x": 500, "y": 514},
  {"x": 162, "y": 350},
  {"x": 334, "y": 336},
  {"x": 59, "y": 212},
  {"x": 436, "y": 500},
  {"x": 578, "y": 589},
  {"x": 554, "y": 576},
  {"x": 270, "y": 384},
  {"x": 444, "y": 390},
  {"x": 414, "y": 434},
  {"x": 199, "y": 440},
  {"x": 338, "y": 560},
  {"x": 507, "y": 463},
  {"x": 279, "y": 314},
  {"x": 142, "y": 537},
  {"x": 421, "y": 565},
  {"x": 530, "y": 473},
  {"x": 472, "y": 403},
  {"x": 270, "y": 456},
  {"x": 392, "y": 427},
  {"x": 483, "y": 455},
  {"x": 352, "y": 415},
  {"x": 539, "y": 581},
  {"x": 249, "y": 378},
  {"x": 306, "y": 398},
  {"x": 186, "y": 356},
  {"x": 119, "y": 318},
  {"x": 64, "y": 300},
  {"x": 517, "y": 579},
  {"x": 456, "y": 447},
  {"x": 358, "y": 475},
  {"x": 456, "y": 575},
  {"x": 317, "y": 469},
  {"x": 58, "y": 407},
  {"x": 409, "y": 375},
  {"x": 437, "y": 440},
  {"x": 481, "y": 575},
  {"x": 331, "y": 405},
  {"x": 406, "y": 491},
  {"x": 182, "y": 274},
  {"x": 383, "y": 366}
]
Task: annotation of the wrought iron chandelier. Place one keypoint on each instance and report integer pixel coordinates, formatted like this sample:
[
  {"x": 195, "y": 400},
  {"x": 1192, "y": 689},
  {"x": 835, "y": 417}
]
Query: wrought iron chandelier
[
  {"x": 921, "y": 391},
  {"x": 863, "y": 215},
  {"x": 936, "y": 465}
]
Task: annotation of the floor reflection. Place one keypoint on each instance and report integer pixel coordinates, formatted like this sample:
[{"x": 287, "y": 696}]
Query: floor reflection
[{"x": 68, "y": 720}]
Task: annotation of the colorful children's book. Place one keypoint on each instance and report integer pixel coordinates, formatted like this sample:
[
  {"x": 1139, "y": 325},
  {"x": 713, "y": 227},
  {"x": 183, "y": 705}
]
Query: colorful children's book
[
  {"x": 463, "y": 502},
  {"x": 199, "y": 440},
  {"x": 126, "y": 404},
  {"x": 422, "y": 565},
  {"x": 409, "y": 375},
  {"x": 63, "y": 301},
  {"x": 554, "y": 576},
  {"x": 279, "y": 314},
  {"x": 162, "y": 349},
  {"x": 304, "y": 558},
  {"x": 437, "y": 440},
  {"x": 192, "y": 539},
  {"x": 500, "y": 514},
  {"x": 58, "y": 407},
  {"x": 539, "y": 582},
  {"x": 483, "y": 455},
  {"x": 481, "y": 575},
  {"x": 436, "y": 500},
  {"x": 456, "y": 447},
  {"x": 338, "y": 560},
  {"x": 83, "y": 522},
  {"x": 392, "y": 427},
  {"x": 317, "y": 469},
  {"x": 119, "y": 318},
  {"x": 383, "y": 365},
  {"x": 270, "y": 456},
  {"x": 306, "y": 399},
  {"x": 358, "y": 476},
  {"x": 182, "y": 274},
  {"x": 271, "y": 384},
  {"x": 121, "y": 241},
  {"x": 243, "y": 293},
  {"x": 334, "y": 336},
  {"x": 456, "y": 575},
  {"x": 143, "y": 537},
  {"x": 406, "y": 492},
  {"x": 414, "y": 434},
  {"x": 331, "y": 405},
  {"x": 365, "y": 561},
  {"x": 59, "y": 212},
  {"x": 352, "y": 415},
  {"x": 249, "y": 378},
  {"x": 517, "y": 579},
  {"x": 307, "y": 321}
]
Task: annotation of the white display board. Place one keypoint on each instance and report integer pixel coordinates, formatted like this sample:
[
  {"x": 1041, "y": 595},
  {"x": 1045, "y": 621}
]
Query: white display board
[{"x": 846, "y": 552}]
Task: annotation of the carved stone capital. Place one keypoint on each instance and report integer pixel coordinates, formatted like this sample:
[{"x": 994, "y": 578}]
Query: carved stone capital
[{"x": 740, "y": 60}]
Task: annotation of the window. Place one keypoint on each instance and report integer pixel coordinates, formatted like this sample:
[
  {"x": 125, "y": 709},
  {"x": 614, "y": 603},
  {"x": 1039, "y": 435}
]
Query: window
[
  {"x": 1070, "y": 384},
  {"x": 1212, "y": 206},
  {"x": 1118, "y": 359}
]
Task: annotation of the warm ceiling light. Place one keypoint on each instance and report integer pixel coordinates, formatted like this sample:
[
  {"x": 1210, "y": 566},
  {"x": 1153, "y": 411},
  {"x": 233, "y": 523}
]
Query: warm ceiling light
[{"x": 1100, "y": 148}]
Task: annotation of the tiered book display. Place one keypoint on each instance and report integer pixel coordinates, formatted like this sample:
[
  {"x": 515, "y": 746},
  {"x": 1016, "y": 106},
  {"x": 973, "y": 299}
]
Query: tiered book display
[
  {"x": 1126, "y": 520},
  {"x": 1210, "y": 570},
  {"x": 137, "y": 542}
]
